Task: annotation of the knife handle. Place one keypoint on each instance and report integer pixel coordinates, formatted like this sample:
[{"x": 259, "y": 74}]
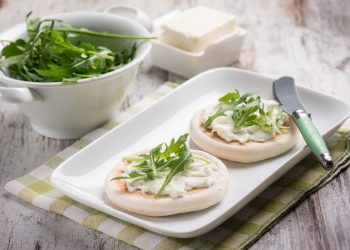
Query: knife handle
[{"x": 313, "y": 138}]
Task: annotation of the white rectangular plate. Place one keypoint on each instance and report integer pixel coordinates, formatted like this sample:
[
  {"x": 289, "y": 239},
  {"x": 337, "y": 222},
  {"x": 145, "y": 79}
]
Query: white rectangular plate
[{"x": 81, "y": 177}]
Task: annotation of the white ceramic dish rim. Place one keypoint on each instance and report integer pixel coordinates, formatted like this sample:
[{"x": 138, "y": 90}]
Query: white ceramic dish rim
[
  {"x": 185, "y": 233},
  {"x": 19, "y": 28}
]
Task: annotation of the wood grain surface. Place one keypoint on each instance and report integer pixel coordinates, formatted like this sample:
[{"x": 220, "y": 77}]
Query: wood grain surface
[{"x": 309, "y": 40}]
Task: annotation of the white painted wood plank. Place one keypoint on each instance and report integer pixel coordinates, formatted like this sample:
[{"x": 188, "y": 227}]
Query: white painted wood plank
[{"x": 306, "y": 39}]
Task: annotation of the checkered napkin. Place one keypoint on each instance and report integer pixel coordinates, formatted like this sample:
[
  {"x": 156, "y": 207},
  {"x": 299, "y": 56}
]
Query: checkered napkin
[{"x": 238, "y": 232}]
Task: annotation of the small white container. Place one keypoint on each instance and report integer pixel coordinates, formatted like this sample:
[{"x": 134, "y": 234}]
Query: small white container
[{"x": 223, "y": 52}]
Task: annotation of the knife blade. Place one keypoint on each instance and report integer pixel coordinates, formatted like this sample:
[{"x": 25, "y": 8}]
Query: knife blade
[{"x": 286, "y": 94}]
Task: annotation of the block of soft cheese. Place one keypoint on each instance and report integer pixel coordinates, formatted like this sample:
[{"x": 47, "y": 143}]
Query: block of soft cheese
[{"x": 195, "y": 29}]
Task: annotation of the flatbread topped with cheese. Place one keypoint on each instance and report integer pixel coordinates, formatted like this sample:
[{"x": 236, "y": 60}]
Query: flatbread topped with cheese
[
  {"x": 243, "y": 128},
  {"x": 166, "y": 180}
]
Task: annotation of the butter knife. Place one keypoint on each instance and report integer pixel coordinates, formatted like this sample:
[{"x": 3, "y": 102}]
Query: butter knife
[{"x": 285, "y": 93}]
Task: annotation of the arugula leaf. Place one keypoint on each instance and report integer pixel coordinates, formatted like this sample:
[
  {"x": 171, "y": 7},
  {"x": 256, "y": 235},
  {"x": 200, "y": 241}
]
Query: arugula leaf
[
  {"x": 87, "y": 46},
  {"x": 248, "y": 110},
  {"x": 229, "y": 97},
  {"x": 133, "y": 159},
  {"x": 14, "y": 48},
  {"x": 12, "y": 60},
  {"x": 164, "y": 157},
  {"x": 131, "y": 175},
  {"x": 245, "y": 115},
  {"x": 54, "y": 52},
  {"x": 176, "y": 168},
  {"x": 230, "y": 105},
  {"x": 174, "y": 146},
  {"x": 55, "y": 72}
]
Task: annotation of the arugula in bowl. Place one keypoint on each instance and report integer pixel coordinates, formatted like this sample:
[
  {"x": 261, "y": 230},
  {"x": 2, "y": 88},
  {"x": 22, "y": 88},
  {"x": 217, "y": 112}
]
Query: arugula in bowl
[{"x": 56, "y": 52}]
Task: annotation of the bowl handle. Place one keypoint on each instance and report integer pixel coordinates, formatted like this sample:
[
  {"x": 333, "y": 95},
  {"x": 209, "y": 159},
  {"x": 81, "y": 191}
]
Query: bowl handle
[
  {"x": 130, "y": 13},
  {"x": 18, "y": 95}
]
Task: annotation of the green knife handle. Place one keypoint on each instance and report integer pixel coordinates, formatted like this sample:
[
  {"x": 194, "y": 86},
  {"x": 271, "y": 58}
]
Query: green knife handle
[{"x": 313, "y": 138}]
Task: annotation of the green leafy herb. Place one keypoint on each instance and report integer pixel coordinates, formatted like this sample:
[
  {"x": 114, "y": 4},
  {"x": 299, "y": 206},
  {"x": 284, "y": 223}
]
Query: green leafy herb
[
  {"x": 55, "y": 52},
  {"x": 231, "y": 100},
  {"x": 165, "y": 157},
  {"x": 248, "y": 110}
]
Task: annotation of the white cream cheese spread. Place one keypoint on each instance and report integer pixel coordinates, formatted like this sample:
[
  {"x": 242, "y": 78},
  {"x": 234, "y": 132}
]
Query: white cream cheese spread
[
  {"x": 225, "y": 128},
  {"x": 201, "y": 173}
]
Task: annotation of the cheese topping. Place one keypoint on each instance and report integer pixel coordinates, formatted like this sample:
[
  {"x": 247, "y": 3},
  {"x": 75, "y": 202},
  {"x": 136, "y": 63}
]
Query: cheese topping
[
  {"x": 201, "y": 173},
  {"x": 225, "y": 128}
]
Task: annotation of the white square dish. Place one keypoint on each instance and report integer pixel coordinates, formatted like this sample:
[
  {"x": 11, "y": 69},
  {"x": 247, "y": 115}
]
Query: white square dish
[
  {"x": 82, "y": 176},
  {"x": 222, "y": 52}
]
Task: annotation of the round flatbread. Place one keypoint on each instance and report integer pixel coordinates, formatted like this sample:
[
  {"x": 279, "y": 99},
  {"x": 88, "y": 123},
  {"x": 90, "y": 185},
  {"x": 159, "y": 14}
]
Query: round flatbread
[
  {"x": 146, "y": 204},
  {"x": 241, "y": 152}
]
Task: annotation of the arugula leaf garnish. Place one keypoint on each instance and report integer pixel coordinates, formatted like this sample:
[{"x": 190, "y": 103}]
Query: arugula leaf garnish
[
  {"x": 232, "y": 101},
  {"x": 54, "y": 52},
  {"x": 165, "y": 157},
  {"x": 248, "y": 110}
]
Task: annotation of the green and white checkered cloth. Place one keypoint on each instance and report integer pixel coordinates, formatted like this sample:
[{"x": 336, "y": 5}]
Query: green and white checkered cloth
[{"x": 240, "y": 231}]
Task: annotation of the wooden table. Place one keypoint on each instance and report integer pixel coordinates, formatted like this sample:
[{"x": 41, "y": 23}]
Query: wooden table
[{"x": 309, "y": 40}]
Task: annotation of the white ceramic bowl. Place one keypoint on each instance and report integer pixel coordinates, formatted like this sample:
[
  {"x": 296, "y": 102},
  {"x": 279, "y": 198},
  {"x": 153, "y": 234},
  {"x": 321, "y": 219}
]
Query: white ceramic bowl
[{"x": 70, "y": 111}]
